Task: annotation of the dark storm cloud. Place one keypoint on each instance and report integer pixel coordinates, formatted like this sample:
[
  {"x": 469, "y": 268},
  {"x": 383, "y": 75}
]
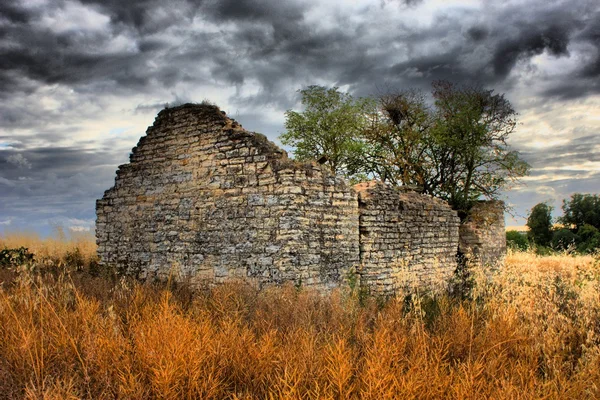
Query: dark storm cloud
[
  {"x": 554, "y": 39},
  {"x": 147, "y": 16},
  {"x": 592, "y": 70},
  {"x": 131, "y": 12},
  {"x": 477, "y": 33},
  {"x": 74, "y": 68},
  {"x": 565, "y": 168},
  {"x": 49, "y": 58},
  {"x": 294, "y": 49},
  {"x": 14, "y": 12},
  {"x": 273, "y": 43},
  {"x": 591, "y": 34},
  {"x": 81, "y": 57},
  {"x": 572, "y": 87},
  {"x": 251, "y": 10},
  {"x": 60, "y": 161},
  {"x": 40, "y": 185}
]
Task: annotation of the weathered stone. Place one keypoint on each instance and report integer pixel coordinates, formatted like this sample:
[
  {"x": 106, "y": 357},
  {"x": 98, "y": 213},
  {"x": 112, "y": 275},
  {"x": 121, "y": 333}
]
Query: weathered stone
[
  {"x": 482, "y": 234},
  {"x": 413, "y": 246},
  {"x": 208, "y": 200},
  {"x": 234, "y": 224}
]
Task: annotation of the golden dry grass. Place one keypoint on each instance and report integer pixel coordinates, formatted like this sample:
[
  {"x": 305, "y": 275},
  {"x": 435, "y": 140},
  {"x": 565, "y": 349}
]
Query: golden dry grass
[
  {"x": 55, "y": 248},
  {"x": 529, "y": 331}
]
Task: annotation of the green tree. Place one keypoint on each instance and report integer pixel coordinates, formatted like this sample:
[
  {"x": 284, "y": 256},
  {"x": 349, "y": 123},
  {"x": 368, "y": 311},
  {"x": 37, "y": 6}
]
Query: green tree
[
  {"x": 398, "y": 147},
  {"x": 456, "y": 150},
  {"x": 329, "y": 129},
  {"x": 589, "y": 238},
  {"x": 540, "y": 224},
  {"x": 581, "y": 209},
  {"x": 563, "y": 239},
  {"x": 471, "y": 155},
  {"x": 516, "y": 240}
]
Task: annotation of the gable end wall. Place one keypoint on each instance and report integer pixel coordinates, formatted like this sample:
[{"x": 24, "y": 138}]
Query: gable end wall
[{"x": 206, "y": 200}]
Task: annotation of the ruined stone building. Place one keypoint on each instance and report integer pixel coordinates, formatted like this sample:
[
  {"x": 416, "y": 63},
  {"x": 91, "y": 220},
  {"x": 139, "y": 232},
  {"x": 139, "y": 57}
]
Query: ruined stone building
[{"x": 203, "y": 199}]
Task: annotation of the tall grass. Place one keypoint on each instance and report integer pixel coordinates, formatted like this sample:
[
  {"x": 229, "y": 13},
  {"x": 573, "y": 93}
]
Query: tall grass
[
  {"x": 61, "y": 248},
  {"x": 530, "y": 330}
]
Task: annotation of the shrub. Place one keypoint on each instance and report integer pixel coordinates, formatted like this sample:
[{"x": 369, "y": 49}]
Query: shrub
[
  {"x": 540, "y": 224},
  {"x": 563, "y": 239},
  {"x": 589, "y": 238},
  {"x": 516, "y": 240},
  {"x": 15, "y": 257}
]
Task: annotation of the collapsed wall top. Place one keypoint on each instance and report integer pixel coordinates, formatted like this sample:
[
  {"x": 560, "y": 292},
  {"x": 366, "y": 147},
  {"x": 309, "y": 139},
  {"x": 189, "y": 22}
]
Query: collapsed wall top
[{"x": 407, "y": 239}]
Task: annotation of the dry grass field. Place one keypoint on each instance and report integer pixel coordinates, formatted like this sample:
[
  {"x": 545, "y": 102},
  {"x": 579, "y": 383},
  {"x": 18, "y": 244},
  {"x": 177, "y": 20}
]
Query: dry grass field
[{"x": 69, "y": 330}]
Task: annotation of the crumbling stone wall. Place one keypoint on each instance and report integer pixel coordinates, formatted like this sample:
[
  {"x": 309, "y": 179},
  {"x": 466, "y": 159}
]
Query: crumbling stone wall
[
  {"x": 482, "y": 234},
  {"x": 406, "y": 239},
  {"x": 205, "y": 199}
]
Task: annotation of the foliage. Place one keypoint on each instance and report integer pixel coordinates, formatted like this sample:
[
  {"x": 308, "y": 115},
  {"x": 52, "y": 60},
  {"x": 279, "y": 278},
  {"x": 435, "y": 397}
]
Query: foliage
[
  {"x": 456, "y": 150},
  {"x": 462, "y": 283},
  {"x": 578, "y": 233},
  {"x": 397, "y": 144},
  {"x": 588, "y": 238},
  {"x": 587, "y": 232},
  {"x": 15, "y": 257},
  {"x": 581, "y": 209},
  {"x": 328, "y": 129},
  {"x": 471, "y": 157},
  {"x": 543, "y": 251},
  {"x": 73, "y": 252},
  {"x": 75, "y": 258},
  {"x": 564, "y": 239},
  {"x": 516, "y": 240},
  {"x": 540, "y": 224}
]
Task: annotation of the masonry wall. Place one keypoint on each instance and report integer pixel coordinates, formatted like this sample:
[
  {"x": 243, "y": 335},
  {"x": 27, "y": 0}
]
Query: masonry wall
[
  {"x": 205, "y": 199},
  {"x": 482, "y": 234},
  {"x": 406, "y": 239}
]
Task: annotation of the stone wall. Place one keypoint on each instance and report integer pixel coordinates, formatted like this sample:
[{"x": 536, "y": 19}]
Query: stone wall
[
  {"x": 205, "y": 199},
  {"x": 482, "y": 234},
  {"x": 406, "y": 239}
]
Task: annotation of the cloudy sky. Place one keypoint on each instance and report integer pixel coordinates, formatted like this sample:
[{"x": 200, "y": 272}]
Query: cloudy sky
[{"x": 80, "y": 80}]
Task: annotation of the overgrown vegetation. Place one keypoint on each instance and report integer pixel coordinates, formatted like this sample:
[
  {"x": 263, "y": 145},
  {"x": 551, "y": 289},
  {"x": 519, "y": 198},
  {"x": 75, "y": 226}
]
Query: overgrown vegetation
[
  {"x": 516, "y": 240},
  {"x": 577, "y": 230},
  {"x": 539, "y": 223},
  {"x": 455, "y": 149},
  {"x": 530, "y": 330}
]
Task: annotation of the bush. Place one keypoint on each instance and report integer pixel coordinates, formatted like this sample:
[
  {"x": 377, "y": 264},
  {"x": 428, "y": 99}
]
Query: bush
[
  {"x": 75, "y": 259},
  {"x": 543, "y": 250},
  {"x": 15, "y": 257},
  {"x": 589, "y": 238},
  {"x": 581, "y": 210},
  {"x": 562, "y": 239},
  {"x": 516, "y": 240}
]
